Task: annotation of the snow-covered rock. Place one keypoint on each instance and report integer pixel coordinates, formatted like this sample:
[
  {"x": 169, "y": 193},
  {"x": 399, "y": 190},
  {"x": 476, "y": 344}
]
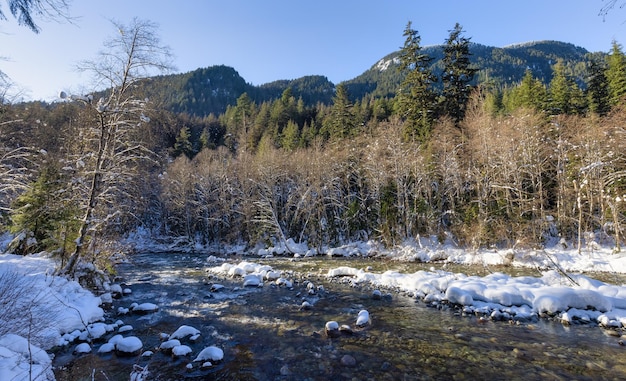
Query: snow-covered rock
[
  {"x": 211, "y": 353},
  {"x": 181, "y": 350},
  {"x": 129, "y": 346},
  {"x": 184, "y": 331},
  {"x": 82, "y": 348},
  {"x": 363, "y": 318},
  {"x": 332, "y": 328},
  {"x": 144, "y": 307},
  {"x": 169, "y": 344}
]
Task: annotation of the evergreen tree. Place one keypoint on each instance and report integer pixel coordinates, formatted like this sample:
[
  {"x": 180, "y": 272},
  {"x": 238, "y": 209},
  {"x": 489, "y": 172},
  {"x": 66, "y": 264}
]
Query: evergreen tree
[
  {"x": 341, "y": 122},
  {"x": 457, "y": 75},
  {"x": 616, "y": 74},
  {"x": 417, "y": 99},
  {"x": 183, "y": 143},
  {"x": 40, "y": 219},
  {"x": 598, "y": 88},
  {"x": 291, "y": 136},
  {"x": 564, "y": 94},
  {"x": 530, "y": 93}
]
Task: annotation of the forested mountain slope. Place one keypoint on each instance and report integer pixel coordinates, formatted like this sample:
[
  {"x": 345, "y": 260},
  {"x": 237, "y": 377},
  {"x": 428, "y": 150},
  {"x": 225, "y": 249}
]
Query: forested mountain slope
[{"x": 210, "y": 90}]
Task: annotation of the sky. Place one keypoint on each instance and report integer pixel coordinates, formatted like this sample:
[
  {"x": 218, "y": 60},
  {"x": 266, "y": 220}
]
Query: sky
[{"x": 287, "y": 39}]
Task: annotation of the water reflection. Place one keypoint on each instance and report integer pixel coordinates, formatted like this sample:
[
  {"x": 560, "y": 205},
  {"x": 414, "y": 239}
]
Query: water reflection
[{"x": 267, "y": 336}]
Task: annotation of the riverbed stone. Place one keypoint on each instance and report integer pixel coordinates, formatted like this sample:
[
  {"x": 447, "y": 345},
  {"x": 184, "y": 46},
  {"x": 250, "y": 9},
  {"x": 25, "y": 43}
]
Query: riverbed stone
[{"x": 348, "y": 360}]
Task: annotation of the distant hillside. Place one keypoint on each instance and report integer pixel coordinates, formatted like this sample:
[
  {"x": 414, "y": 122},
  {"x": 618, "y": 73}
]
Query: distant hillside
[
  {"x": 498, "y": 66},
  {"x": 210, "y": 90}
]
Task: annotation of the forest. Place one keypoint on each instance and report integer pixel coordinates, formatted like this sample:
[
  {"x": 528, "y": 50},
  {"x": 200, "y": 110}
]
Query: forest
[{"x": 446, "y": 155}]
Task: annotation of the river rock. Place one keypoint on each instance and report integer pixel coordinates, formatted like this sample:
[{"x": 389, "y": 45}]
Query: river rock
[
  {"x": 185, "y": 331},
  {"x": 332, "y": 329},
  {"x": 211, "y": 353},
  {"x": 82, "y": 348},
  {"x": 181, "y": 350},
  {"x": 128, "y": 346},
  {"x": 363, "y": 318},
  {"x": 144, "y": 308},
  {"x": 348, "y": 360},
  {"x": 377, "y": 295}
]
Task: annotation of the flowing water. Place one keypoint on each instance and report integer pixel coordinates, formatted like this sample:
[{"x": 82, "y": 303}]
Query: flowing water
[{"x": 266, "y": 335}]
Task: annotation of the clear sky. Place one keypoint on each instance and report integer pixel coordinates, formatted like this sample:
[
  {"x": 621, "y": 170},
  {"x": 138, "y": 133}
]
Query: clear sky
[{"x": 267, "y": 40}]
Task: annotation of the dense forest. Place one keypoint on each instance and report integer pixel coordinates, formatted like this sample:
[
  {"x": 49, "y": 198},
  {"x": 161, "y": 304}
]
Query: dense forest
[{"x": 526, "y": 150}]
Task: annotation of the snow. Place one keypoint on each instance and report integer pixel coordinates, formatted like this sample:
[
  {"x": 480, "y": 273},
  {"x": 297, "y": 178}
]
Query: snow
[
  {"x": 211, "y": 353},
  {"x": 59, "y": 309},
  {"x": 20, "y": 360},
  {"x": 184, "y": 331},
  {"x": 130, "y": 344},
  {"x": 363, "y": 318}
]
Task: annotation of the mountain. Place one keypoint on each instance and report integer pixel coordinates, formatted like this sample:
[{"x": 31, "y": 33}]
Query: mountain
[
  {"x": 499, "y": 67},
  {"x": 210, "y": 90}
]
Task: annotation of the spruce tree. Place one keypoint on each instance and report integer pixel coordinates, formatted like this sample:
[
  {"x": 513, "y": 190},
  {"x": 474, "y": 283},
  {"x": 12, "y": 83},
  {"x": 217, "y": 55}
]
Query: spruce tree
[
  {"x": 598, "y": 88},
  {"x": 457, "y": 75},
  {"x": 417, "y": 100},
  {"x": 183, "y": 144},
  {"x": 616, "y": 74},
  {"x": 564, "y": 94},
  {"x": 341, "y": 122}
]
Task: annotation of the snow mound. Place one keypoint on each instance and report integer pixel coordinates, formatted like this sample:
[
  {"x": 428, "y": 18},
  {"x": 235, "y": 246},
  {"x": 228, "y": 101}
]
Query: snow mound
[{"x": 211, "y": 353}]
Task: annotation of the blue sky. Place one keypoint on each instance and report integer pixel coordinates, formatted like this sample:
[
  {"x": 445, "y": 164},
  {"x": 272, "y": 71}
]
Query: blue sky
[{"x": 286, "y": 39}]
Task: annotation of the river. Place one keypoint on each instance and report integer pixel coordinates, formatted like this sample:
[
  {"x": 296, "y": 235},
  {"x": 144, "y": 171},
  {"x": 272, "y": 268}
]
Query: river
[{"x": 267, "y": 335}]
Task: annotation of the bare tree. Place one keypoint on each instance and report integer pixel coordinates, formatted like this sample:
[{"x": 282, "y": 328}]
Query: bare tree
[
  {"x": 608, "y": 6},
  {"x": 113, "y": 146},
  {"x": 27, "y": 11}
]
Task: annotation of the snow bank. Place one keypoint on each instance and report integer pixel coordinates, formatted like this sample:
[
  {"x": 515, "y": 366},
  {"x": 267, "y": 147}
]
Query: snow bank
[
  {"x": 45, "y": 307},
  {"x": 19, "y": 360},
  {"x": 506, "y": 297}
]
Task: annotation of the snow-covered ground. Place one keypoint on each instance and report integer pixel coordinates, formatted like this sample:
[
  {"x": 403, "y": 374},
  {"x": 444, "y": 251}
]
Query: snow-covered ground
[
  {"x": 46, "y": 310},
  {"x": 39, "y": 311}
]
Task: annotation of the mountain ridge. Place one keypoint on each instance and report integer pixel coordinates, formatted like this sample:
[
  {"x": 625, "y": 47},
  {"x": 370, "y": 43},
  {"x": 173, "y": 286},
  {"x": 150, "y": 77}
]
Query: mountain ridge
[{"x": 212, "y": 89}]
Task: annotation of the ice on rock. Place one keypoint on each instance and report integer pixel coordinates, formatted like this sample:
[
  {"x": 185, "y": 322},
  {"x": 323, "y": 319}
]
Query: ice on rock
[{"x": 211, "y": 353}]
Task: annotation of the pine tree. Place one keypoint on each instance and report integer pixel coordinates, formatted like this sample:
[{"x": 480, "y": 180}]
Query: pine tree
[
  {"x": 341, "y": 122},
  {"x": 564, "y": 94},
  {"x": 530, "y": 93},
  {"x": 183, "y": 143},
  {"x": 417, "y": 99},
  {"x": 291, "y": 136},
  {"x": 457, "y": 75},
  {"x": 598, "y": 88},
  {"x": 616, "y": 74}
]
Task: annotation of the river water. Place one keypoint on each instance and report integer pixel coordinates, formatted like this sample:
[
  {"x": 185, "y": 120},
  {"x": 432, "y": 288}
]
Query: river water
[{"x": 266, "y": 335}]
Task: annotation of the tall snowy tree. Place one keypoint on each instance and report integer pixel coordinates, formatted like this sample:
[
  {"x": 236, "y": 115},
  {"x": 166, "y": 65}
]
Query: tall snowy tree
[
  {"x": 417, "y": 99},
  {"x": 457, "y": 74},
  {"x": 112, "y": 141}
]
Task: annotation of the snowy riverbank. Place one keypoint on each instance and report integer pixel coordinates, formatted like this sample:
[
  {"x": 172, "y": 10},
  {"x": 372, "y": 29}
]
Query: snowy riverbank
[{"x": 51, "y": 311}]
